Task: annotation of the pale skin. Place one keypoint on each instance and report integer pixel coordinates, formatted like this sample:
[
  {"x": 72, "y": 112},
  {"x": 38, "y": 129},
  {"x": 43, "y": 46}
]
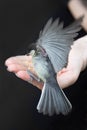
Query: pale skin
[
  {"x": 77, "y": 59},
  {"x": 77, "y": 9},
  {"x": 77, "y": 62}
]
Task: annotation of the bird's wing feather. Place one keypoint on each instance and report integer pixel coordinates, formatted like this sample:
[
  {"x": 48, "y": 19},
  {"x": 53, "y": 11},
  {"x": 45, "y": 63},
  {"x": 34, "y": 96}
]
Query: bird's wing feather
[{"x": 57, "y": 41}]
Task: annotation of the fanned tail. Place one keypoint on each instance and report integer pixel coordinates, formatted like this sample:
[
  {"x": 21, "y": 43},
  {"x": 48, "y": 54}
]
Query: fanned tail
[{"x": 53, "y": 101}]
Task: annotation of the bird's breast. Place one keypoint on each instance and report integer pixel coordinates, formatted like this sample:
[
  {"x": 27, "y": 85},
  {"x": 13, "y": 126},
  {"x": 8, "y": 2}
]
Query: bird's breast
[{"x": 41, "y": 67}]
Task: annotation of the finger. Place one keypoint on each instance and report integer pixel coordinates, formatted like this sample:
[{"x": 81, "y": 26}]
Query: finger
[
  {"x": 37, "y": 84},
  {"x": 18, "y": 59},
  {"x": 62, "y": 71},
  {"x": 25, "y": 76},
  {"x": 15, "y": 68},
  {"x": 67, "y": 78},
  {"x": 19, "y": 65}
]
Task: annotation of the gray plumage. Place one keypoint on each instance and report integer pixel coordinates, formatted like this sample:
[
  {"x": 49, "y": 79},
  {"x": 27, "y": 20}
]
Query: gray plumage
[
  {"x": 57, "y": 41},
  {"x": 51, "y": 56},
  {"x": 53, "y": 99}
]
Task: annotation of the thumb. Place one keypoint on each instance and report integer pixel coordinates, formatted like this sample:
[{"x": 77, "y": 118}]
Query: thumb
[{"x": 66, "y": 77}]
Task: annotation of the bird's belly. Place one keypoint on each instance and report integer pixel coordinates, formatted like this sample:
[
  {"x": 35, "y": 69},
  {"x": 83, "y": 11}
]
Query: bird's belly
[{"x": 42, "y": 71}]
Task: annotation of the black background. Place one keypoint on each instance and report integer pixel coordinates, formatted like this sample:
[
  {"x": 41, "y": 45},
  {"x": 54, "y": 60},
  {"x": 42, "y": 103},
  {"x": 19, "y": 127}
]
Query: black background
[{"x": 20, "y": 23}]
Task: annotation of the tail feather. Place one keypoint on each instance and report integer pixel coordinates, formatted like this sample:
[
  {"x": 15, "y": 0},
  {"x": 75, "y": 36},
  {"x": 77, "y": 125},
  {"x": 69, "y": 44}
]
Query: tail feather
[
  {"x": 42, "y": 101},
  {"x": 45, "y": 104},
  {"x": 53, "y": 100},
  {"x": 55, "y": 103}
]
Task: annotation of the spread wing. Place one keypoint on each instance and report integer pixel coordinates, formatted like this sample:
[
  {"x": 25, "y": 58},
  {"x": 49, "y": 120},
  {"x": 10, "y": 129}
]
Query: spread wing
[{"x": 57, "y": 41}]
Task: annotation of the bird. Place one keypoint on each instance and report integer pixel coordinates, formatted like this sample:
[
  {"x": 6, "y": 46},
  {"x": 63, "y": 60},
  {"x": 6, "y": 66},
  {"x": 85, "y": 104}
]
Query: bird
[{"x": 49, "y": 57}]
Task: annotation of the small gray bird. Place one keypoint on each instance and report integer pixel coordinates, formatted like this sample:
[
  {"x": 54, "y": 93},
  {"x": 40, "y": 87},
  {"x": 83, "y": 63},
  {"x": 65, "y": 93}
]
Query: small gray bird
[{"x": 50, "y": 56}]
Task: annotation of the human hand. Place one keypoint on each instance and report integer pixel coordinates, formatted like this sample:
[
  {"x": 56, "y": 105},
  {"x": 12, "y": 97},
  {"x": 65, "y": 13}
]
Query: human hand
[
  {"x": 77, "y": 61},
  {"x": 19, "y": 66}
]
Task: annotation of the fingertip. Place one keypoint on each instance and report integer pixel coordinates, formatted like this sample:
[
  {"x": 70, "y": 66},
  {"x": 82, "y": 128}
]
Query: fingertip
[{"x": 8, "y": 61}]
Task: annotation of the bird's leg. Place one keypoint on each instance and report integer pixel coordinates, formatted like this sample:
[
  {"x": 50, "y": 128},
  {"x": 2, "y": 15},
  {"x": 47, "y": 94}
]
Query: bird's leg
[{"x": 33, "y": 76}]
